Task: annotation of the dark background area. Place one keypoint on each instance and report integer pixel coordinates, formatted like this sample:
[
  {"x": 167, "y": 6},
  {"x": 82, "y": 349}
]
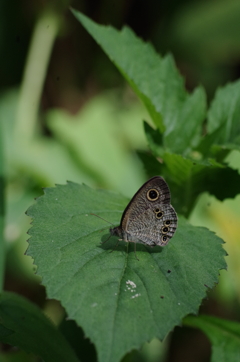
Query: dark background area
[{"x": 202, "y": 36}]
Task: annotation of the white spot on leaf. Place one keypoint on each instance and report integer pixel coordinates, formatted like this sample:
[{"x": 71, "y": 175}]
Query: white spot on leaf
[
  {"x": 136, "y": 295},
  {"x": 133, "y": 285}
]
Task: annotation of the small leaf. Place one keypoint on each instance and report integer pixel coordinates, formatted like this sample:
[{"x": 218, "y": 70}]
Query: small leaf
[
  {"x": 156, "y": 81},
  {"x": 186, "y": 133},
  {"x": 224, "y": 114},
  {"x": 209, "y": 141},
  {"x": 225, "y": 110},
  {"x": 22, "y": 324},
  {"x": 152, "y": 166},
  {"x": 155, "y": 140},
  {"x": 224, "y": 336},
  {"x": 120, "y": 302}
]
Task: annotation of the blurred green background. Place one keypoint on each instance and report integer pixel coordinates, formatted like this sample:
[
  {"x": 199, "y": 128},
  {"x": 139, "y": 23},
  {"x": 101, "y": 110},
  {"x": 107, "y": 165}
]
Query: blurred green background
[{"x": 67, "y": 114}]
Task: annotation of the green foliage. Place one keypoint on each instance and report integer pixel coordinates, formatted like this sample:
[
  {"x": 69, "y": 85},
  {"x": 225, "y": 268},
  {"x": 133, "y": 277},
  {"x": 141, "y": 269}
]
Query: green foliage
[
  {"x": 119, "y": 301},
  {"x": 223, "y": 116},
  {"x": 189, "y": 177},
  {"x": 224, "y": 336},
  {"x": 187, "y": 155},
  {"x": 24, "y": 325},
  {"x": 90, "y": 138},
  {"x": 157, "y": 82},
  {"x": 111, "y": 293}
]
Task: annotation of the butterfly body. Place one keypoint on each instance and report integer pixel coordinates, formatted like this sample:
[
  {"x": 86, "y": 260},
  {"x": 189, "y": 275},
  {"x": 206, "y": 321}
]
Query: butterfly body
[{"x": 149, "y": 218}]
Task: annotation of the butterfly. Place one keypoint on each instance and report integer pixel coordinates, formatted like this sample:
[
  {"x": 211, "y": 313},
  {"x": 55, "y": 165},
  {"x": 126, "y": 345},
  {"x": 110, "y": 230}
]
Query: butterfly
[{"x": 149, "y": 218}]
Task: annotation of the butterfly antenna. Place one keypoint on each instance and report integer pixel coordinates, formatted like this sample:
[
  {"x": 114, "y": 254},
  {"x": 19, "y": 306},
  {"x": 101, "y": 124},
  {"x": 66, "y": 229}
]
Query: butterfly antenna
[
  {"x": 101, "y": 218},
  {"x": 103, "y": 242}
]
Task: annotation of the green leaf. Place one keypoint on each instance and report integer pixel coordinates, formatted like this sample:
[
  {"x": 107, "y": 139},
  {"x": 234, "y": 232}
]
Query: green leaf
[
  {"x": 22, "y": 324},
  {"x": 120, "y": 302},
  {"x": 185, "y": 133},
  {"x": 89, "y": 137},
  {"x": 189, "y": 177},
  {"x": 151, "y": 164},
  {"x": 156, "y": 81},
  {"x": 155, "y": 140},
  {"x": 42, "y": 158},
  {"x": 223, "y": 123},
  {"x": 74, "y": 335},
  {"x": 224, "y": 114},
  {"x": 224, "y": 336}
]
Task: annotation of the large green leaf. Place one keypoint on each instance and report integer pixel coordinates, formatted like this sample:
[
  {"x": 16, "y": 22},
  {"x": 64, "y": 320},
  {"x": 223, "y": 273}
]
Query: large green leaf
[
  {"x": 224, "y": 336},
  {"x": 90, "y": 138},
  {"x": 156, "y": 81},
  {"x": 120, "y": 302},
  {"x": 22, "y": 324}
]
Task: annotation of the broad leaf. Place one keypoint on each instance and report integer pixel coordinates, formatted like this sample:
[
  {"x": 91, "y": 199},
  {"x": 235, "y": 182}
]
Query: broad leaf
[
  {"x": 120, "y": 302},
  {"x": 156, "y": 81},
  {"x": 22, "y": 324},
  {"x": 224, "y": 336},
  {"x": 89, "y": 137}
]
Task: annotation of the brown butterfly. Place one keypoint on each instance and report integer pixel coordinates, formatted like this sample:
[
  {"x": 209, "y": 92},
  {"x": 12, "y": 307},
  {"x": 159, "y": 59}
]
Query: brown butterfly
[{"x": 149, "y": 218}]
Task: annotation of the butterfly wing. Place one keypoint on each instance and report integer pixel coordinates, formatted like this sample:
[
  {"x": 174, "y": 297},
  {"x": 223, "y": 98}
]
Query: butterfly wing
[{"x": 149, "y": 218}]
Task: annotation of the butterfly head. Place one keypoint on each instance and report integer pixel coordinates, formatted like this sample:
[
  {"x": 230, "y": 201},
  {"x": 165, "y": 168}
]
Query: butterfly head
[{"x": 116, "y": 231}]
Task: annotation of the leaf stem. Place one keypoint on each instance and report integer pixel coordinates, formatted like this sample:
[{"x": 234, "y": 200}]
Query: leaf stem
[
  {"x": 2, "y": 213},
  {"x": 34, "y": 74}
]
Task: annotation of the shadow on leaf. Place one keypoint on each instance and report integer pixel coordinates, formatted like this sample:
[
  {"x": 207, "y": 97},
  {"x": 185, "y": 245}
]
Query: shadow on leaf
[{"x": 112, "y": 243}]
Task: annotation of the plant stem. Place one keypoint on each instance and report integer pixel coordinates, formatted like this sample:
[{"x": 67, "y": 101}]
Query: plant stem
[
  {"x": 34, "y": 74},
  {"x": 2, "y": 212}
]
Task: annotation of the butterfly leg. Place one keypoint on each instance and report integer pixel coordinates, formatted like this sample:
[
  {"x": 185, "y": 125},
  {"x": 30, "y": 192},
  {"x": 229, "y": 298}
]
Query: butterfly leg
[
  {"x": 135, "y": 249},
  {"x": 116, "y": 245}
]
